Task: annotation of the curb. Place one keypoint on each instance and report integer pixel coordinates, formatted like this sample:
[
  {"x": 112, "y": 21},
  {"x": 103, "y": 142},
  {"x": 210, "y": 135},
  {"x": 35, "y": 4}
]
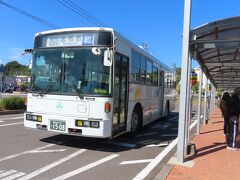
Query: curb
[{"x": 6, "y": 112}]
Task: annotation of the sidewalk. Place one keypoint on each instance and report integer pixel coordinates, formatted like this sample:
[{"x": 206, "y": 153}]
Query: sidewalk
[{"x": 213, "y": 160}]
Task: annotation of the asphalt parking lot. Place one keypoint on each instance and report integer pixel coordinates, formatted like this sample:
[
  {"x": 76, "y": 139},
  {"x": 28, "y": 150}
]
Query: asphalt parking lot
[{"x": 30, "y": 154}]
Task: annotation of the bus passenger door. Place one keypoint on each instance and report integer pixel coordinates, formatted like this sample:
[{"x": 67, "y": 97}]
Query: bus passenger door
[
  {"x": 161, "y": 91},
  {"x": 120, "y": 96}
]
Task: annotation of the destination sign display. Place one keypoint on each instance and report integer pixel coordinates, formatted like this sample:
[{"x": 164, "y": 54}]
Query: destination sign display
[{"x": 68, "y": 39}]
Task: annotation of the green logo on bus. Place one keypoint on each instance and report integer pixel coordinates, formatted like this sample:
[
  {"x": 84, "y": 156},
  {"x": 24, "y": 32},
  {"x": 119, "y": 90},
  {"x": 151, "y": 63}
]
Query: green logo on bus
[{"x": 59, "y": 106}]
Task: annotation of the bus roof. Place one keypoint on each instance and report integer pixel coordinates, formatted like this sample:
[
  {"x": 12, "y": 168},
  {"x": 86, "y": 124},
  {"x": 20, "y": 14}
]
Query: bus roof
[
  {"x": 119, "y": 35},
  {"x": 74, "y": 29}
]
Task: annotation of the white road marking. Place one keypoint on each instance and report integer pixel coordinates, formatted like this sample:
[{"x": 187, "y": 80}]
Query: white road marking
[
  {"x": 157, "y": 145},
  {"x": 25, "y": 152},
  {"x": 174, "y": 118},
  {"x": 49, "y": 166},
  {"x": 47, "y": 151},
  {"x": 14, "y": 176},
  {"x": 136, "y": 161},
  {"x": 146, "y": 134},
  {"x": 1, "y": 121},
  {"x": 161, "y": 126},
  {"x": 169, "y": 135},
  {"x": 14, "y": 118},
  {"x": 85, "y": 168},
  {"x": 20, "y": 117},
  {"x": 6, "y": 173},
  {"x": 121, "y": 144},
  {"x": 159, "y": 158},
  {"x": 11, "y": 124}
]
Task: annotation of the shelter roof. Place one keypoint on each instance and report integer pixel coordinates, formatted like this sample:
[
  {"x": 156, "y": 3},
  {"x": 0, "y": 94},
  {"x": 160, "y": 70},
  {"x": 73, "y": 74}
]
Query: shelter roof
[{"x": 216, "y": 46}]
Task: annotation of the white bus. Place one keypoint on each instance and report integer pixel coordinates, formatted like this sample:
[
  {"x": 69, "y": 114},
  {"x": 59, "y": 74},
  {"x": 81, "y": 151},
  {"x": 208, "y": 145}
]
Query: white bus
[{"x": 94, "y": 82}]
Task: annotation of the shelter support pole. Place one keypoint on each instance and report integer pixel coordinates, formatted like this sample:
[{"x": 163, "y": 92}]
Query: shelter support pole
[
  {"x": 210, "y": 101},
  {"x": 205, "y": 102},
  {"x": 189, "y": 103},
  {"x": 199, "y": 101},
  {"x": 214, "y": 99},
  {"x": 184, "y": 76}
]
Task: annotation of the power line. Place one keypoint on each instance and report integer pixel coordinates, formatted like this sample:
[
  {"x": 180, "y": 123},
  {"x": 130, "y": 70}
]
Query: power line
[
  {"x": 89, "y": 17},
  {"x": 44, "y": 22},
  {"x": 88, "y": 14},
  {"x": 60, "y": 7},
  {"x": 78, "y": 10}
]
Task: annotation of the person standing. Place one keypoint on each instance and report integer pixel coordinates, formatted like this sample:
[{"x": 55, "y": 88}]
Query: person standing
[
  {"x": 233, "y": 118},
  {"x": 223, "y": 106}
]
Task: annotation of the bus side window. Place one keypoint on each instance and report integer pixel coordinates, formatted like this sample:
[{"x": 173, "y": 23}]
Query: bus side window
[
  {"x": 155, "y": 76},
  {"x": 135, "y": 66}
]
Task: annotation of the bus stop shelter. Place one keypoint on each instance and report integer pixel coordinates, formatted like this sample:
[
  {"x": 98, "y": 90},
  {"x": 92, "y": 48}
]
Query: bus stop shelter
[{"x": 215, "y": 46}]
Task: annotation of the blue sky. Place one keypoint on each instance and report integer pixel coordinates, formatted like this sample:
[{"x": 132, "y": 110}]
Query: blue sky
[{"x": 158, "y": 23}]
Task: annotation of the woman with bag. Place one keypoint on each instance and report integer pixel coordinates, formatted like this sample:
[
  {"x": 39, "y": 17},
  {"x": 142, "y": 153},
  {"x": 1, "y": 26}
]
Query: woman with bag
[
  {"x": 223, "y": 106},
  {"x": 233, "y": 120}
]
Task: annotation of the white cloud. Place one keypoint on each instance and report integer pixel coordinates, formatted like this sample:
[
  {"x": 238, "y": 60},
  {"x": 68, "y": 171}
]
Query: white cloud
[
  {"x": 15, "y": 53},
  {"x": 11, "y": 54}
]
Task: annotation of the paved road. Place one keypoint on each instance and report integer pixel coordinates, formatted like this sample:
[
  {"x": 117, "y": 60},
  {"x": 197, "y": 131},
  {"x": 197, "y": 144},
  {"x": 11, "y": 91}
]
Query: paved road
[
  {"x": 31, "y": 154},
  {"x": 3, "y": 95}
]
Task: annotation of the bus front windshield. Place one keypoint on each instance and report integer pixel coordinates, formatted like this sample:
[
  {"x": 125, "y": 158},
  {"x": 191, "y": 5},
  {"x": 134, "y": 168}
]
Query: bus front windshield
[{"x": 71, "y": 71}]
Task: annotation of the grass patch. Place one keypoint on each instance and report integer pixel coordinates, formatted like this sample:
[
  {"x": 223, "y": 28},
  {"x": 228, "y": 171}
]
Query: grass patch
[{"x": 12, "y": 103}]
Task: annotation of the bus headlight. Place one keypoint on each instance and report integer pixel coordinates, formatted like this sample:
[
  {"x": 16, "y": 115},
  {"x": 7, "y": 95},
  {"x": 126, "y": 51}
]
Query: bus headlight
[
  {"x": 94, "y": 124},
  {"x": 83, "y": 123},
  {"x": 31, "y": 117}
]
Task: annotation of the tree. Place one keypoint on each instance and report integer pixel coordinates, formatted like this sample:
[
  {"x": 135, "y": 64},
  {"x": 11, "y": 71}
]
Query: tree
[
  {"x": 178, "y": 75},
  {"x": 195, "y": 88},
  {"x": 13, "y": 67}
]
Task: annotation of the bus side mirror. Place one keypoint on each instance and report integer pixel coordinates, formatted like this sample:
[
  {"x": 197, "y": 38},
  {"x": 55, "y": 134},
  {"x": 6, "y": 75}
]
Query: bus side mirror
[{"x": 108, "y": 57}]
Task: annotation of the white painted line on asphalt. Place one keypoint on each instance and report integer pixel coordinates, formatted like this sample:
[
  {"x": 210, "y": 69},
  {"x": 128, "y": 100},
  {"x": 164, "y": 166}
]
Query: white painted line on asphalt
[
  {"x": 20, "y": 117},
  {"x": 4, "y": 174},
  {"x": 159, "y": 158},
  {"x": 52, "y": 165},
  {"x": 174, "y": 118},
  {"x": 47, "y": 151},
  {"x": 161, "y": 126},
  {"x": 1, "y": 121},
  {"x": 4, "y": 125},
  {"x": 25, "y": 152},
  {"x": 121, "y": 144},
  {"x": 169, "y": 135},
  {"x": 146, "y": 134},
  {"x": 14, "y": 176},
  {"x": 85, "y": 168},
  {"x": 136, "y": 161},
  {"x": 14, "y": 118},
  {"x": 157, "y": 145},
  {"x": 193, "y": 124}
]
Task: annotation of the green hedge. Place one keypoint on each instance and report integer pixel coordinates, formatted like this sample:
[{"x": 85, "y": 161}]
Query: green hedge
[{"x": 13, "y": 103}]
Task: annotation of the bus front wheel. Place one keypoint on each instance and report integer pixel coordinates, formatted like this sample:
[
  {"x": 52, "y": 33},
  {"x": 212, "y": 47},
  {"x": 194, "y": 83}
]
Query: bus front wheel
[{"x": 136, "y": 120}]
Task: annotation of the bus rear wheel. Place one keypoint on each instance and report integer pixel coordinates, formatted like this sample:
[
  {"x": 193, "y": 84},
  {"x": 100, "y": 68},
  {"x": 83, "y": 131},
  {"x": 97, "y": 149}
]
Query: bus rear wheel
[
  {"x": 136, "y": 120},
  {"x": 167, "y": 111}
]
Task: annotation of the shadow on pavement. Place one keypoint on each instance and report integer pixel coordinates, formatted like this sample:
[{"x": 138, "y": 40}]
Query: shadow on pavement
[{"x": 160, "y": 133}]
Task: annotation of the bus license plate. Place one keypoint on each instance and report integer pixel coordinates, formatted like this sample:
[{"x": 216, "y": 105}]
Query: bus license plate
[{"x": 57, "y": 125}]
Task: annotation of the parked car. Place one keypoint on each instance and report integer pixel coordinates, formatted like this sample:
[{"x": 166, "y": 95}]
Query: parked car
[{"x": 7, "y": 89}]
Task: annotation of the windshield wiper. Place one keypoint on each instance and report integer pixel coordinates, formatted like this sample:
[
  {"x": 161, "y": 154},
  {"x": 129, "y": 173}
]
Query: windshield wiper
[
  {"x": 77, "y": 90},
  {"x": 44, "y": 91}
]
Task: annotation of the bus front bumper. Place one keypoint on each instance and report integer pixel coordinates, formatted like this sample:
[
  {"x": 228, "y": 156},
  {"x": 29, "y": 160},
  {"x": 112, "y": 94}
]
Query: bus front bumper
[{"x": 69, "y": 125}]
